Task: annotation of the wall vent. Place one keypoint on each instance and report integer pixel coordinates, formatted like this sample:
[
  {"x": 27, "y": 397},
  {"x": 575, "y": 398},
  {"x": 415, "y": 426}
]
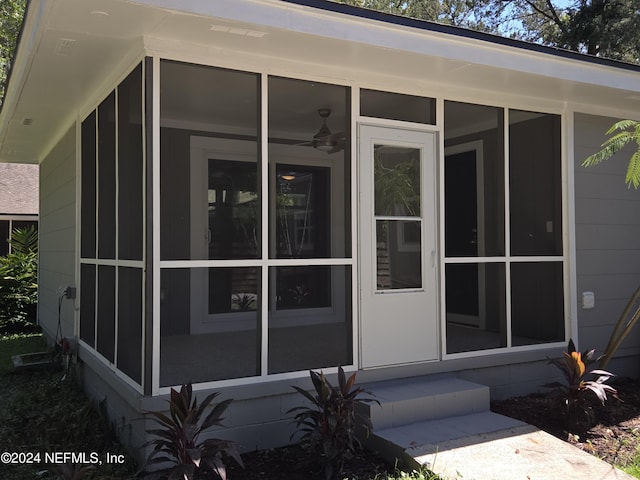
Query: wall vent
[{"x": 64, "y": 46}]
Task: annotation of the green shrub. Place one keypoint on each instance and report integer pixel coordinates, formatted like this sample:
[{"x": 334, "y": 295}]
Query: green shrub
[
  {"x": 330, "y": 422},
  {"x": 19, "y": 283},
  {"x": 178, "y": 440}
]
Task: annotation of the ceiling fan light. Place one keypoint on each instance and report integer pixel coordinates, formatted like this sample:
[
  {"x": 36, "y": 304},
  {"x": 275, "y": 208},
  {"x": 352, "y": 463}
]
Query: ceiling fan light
[{"x": 325, "y": 145}]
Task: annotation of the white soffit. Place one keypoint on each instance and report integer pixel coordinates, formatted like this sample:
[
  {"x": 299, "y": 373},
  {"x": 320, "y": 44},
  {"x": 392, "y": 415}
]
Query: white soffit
[{"x": 73, "y": 51}]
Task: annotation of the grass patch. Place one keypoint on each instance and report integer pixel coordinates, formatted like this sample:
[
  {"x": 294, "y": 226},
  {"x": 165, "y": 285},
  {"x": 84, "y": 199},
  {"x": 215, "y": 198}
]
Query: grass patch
[
  {"x": 16, "y": 345},
  {"x": 423, "y": 474},
  {"x": 633, "y": 468},
  {"x": 45, "y": 411}
]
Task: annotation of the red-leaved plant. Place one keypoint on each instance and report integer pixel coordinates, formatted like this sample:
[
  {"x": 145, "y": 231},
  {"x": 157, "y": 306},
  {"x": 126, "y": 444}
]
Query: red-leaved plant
[
  {"x": 329, "y": 424},
  {"x": 573, "y": 366},
  {"x": 178, "y": 442}
]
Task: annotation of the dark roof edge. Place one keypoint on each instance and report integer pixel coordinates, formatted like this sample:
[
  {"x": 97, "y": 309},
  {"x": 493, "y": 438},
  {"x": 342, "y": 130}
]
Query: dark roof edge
[{"x": 393, "y": 19}]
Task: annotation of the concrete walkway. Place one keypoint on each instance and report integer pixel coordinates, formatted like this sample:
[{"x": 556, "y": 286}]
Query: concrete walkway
[{"x": 521, "y": 453}]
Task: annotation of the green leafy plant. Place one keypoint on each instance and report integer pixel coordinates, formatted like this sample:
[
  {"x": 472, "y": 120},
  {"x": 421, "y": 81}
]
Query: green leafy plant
[
  {"x": 573, "y": 366},
  {"x": 628, "y": 131},
  {"x": 330, "y": 421},
  {"x": 19, "y": 283},
  {"x": 178, "y": 440},
  {"x": 24, "y": 240}
]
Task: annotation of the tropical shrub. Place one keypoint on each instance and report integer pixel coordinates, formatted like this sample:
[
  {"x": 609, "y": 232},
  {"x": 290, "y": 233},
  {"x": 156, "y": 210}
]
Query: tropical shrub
[
  {"x": 178, "y": 443},
  {"x": 329, "y": 424},
  {"x": 573, "y": 366},
  {"x": 19, "y": 283}
]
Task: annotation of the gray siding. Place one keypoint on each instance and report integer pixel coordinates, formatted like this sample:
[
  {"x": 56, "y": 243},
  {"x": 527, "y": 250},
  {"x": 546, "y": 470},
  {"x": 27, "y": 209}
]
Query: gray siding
[
  {"x": 57, "y": 235},
  {"x": 607, "y": 240}
]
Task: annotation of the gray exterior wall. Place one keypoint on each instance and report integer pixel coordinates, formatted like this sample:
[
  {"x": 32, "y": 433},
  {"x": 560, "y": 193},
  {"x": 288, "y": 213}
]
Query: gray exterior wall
[
  {"x": 607, "y": 242},
  {"x": 57, "y": 233}
]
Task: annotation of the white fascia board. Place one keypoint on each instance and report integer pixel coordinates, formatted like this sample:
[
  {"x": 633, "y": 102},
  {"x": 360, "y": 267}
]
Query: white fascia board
[
  {"x": 308, "y": 20},
  {"x": 36, "y": 13}
]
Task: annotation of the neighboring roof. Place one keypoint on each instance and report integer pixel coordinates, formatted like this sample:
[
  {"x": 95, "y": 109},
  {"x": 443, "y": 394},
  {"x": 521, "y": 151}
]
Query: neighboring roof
[{"x": 18, "y": 189}]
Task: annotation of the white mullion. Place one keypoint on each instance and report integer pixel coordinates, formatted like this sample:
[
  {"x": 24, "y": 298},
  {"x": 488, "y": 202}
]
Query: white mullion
[
  {"x": 97, "y": 198},
  {"x": 507, "y": 227},
  {"x": 523, "y": 259},
  {"x": 155, "y": 372},
  {"x": 404, "y": 218},
  {"x": 113, "y": 263},
  {"x": 116, "y": 299},
  {"x": 467, "y": 260},
  {"x": 143, "y": 304},
  {"x": 308, "y": 262},
  {"x": 441, "y": 210},
  {"x": 568, "y": 226},
  {"x": 78, "y": 235},
  {"x": 355, "y": 299},
  {"x": 264, "y": 224},
  {"x": 209, "y": 263}
]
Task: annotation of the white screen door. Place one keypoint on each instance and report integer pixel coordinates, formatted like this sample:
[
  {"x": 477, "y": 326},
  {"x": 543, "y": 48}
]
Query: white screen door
[{"x": 398, "y": 257}]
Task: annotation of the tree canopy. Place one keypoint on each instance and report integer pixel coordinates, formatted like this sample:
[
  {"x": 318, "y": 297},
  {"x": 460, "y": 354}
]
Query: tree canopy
[
  {"x": 607, "y": 28},
  {"x": 11, "y": 14}
]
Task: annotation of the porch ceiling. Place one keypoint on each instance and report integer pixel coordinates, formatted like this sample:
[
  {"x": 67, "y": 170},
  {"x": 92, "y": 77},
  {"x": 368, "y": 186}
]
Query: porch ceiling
[{"x": 72, "y": 49}]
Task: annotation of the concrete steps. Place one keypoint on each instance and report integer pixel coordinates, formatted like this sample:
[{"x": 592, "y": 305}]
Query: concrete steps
[
  {"x": 446, "y": 425},
  {"x": 417, "y": 416}
]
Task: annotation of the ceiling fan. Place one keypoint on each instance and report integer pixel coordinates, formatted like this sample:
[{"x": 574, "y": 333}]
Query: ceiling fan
[{"x": 325, "y": 140}]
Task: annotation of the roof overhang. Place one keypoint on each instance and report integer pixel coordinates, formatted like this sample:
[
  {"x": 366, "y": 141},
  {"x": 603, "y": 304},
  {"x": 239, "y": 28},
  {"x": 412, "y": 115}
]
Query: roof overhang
[{"x": 71, "y": 49}]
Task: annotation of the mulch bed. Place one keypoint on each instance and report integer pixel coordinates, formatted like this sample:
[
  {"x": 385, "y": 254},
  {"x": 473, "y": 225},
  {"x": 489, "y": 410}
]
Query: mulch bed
[
  {"x": 296, "y": 463},
  {"x": 615, "y": 438}
]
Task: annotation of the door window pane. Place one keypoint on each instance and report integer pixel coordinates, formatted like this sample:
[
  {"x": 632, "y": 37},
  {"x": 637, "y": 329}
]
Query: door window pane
[
  {"x": 537, "y": 303},
  {"x": 302, "y": 211},
  {"x": 475, "y": 306},
  {"x": 397, "y": 181},
  {"x": 474, "y": 180},
  {"x": 232, "y": 206},
  {"x": 398, "y": 254},
  {"x": 535, "y": 183},
  {"x": 312, "y": 327}
]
